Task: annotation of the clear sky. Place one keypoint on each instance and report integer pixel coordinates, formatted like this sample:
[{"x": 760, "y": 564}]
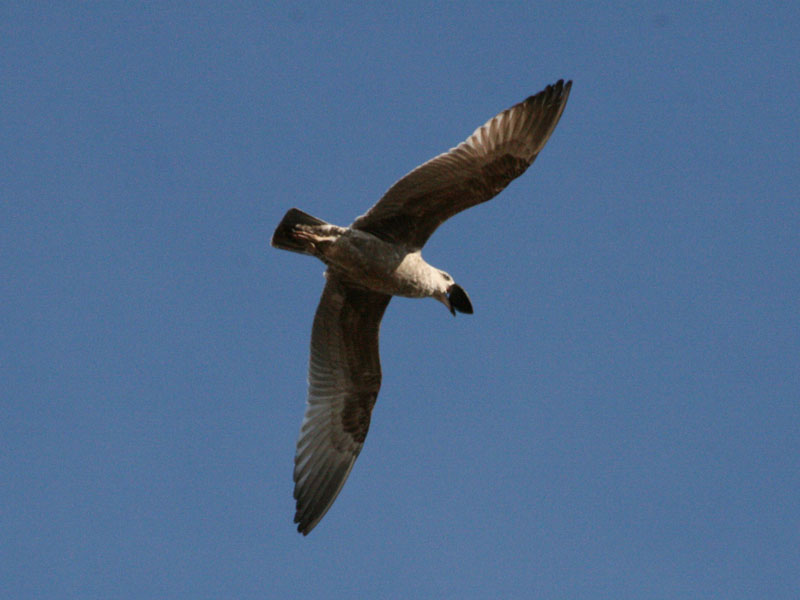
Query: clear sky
[{"x": 620, "y": 418}]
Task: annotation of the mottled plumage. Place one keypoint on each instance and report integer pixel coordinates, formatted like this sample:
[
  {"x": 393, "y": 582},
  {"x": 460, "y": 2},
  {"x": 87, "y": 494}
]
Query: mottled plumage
[{"x": 377, "y": 257}]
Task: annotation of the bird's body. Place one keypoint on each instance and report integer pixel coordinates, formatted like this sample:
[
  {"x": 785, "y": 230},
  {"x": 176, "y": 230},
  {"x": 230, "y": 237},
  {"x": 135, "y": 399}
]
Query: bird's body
[
  {"x": 368, "y": 261},
  {"x": 377, "y": 257}
]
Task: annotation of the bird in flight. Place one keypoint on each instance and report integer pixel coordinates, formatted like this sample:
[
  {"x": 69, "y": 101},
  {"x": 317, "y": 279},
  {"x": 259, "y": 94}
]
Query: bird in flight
[{"x": 379, "y": 256}]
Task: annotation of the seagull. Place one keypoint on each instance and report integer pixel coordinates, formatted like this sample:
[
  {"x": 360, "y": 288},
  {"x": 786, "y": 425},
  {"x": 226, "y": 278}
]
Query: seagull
[{"x": 379, "y": 256}]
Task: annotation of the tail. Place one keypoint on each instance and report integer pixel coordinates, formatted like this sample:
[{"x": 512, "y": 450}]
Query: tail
[{"x": 285, "y": 236}]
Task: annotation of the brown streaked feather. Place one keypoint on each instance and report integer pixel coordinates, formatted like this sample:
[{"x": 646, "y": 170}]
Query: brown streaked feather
[
  {"x": 344, "y": 377},
  {"x": 473, "y": 172}
]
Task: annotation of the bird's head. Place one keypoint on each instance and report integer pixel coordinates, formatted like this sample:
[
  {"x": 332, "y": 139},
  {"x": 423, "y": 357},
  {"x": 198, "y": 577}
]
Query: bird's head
[{"x": 453, "y": 296}]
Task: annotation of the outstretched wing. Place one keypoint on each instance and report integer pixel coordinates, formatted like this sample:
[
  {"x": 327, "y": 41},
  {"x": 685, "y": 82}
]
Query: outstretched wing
[
  {"x": 473, "y": 172},
  {"x": 344, "y": 377}
]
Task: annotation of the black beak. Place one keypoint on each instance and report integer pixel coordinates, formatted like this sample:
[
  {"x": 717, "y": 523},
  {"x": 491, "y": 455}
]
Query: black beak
[{"x": 459, "y": 301}]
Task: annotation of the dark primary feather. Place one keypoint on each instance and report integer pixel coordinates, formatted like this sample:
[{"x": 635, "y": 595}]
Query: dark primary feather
[
  {"x": 344, "y": 377},
  {"x": 473, "y": 172}
]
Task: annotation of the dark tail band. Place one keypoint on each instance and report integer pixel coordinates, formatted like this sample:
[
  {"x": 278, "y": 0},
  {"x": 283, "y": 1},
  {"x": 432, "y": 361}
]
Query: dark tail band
[{"x": 284, "y": 236}]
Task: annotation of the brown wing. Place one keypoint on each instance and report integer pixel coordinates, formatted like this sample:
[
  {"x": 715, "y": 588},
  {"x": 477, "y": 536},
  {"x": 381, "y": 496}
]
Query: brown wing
[
  {"x": 473, "y": 172},
  {"x": 344, "y": 377}
]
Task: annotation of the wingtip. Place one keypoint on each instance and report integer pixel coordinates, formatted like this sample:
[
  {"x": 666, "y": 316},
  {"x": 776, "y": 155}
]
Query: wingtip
[
  {"x": 555, "y": 94},
  {"x": 559, "y": 89},
  {"x": 306, "y": 525}
]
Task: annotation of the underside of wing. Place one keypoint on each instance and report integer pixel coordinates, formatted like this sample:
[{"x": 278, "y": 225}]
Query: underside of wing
[
  {"x": 344, "y": 377},
  {"x": 473, "y": 172}
]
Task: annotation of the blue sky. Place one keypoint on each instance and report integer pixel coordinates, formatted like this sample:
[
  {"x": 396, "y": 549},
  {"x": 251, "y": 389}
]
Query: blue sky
[{"x": 618, "y": 419}]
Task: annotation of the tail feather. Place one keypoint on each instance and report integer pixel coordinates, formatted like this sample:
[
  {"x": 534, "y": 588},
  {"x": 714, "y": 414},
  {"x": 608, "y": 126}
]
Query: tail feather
[{"x": 284, "y": 236}]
